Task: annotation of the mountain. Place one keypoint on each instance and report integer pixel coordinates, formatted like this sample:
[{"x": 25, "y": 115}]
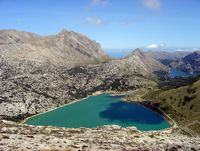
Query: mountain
[
  {"x": 162, "y": 55},
  {"x": 185, "y": 61},
  {"x": 191, "y": 62},
  {"x": 166, "y": 57},
  {"x": 150, "y": 63},
  {"x": 67, "y": 48}
]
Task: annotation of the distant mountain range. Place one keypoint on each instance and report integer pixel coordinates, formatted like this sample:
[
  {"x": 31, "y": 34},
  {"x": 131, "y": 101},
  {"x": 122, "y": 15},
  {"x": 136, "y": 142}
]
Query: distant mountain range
[{"x": 185, "y": 61}]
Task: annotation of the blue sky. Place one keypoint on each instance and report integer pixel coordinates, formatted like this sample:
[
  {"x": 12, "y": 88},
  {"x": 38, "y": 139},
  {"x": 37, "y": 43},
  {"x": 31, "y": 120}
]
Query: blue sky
[{"x": 113, "y": 23}]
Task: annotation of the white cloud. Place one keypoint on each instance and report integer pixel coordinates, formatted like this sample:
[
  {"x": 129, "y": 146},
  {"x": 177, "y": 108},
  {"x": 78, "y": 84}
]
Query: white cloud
[
  {"x": 152, "y": 4},
  {"x": 155, "y": 46},
  {"x": 94, "y": 21}
]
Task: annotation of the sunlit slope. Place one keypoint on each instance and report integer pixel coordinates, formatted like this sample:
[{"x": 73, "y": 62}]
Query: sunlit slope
[{"x": 182, "y": 104}]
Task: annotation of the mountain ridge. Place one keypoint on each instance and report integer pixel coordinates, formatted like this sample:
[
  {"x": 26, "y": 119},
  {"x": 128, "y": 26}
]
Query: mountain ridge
[{"x": 66, "y": 48}]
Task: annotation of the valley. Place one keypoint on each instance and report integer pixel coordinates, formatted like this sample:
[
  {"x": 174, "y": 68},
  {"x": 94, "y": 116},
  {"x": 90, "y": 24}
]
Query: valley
[
  {"x": 99, "y": 75},
  {"x": 41, "y": 73}
]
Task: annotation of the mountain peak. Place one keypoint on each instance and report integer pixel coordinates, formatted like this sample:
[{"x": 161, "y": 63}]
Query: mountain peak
[
  {"x": 64, "y": 31},
  {"x": 137, "y": 52},
  {"x": 68, "y": 48}
]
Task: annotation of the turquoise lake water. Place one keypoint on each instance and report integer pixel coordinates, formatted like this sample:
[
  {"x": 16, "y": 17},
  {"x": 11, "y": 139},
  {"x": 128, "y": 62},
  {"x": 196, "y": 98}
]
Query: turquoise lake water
[{"x": 99, "y": 110}]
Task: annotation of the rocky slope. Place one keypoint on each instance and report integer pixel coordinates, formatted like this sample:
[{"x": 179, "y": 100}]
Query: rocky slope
[
  {"x": 33, "y": 80},
  {"x": 32, "y": 87},
  {"x": 151, "y": 64},
  {"x": 67, "y": 48},
  {"x": 107, "y": 138}
]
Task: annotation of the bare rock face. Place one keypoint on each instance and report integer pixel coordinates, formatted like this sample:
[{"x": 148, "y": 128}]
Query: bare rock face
[{"x": 64, "y": 49}]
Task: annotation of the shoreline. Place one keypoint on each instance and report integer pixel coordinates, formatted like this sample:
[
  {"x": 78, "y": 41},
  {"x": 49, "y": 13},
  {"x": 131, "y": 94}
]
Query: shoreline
[
  {"x": 158, "y": 111},
  {"x": 115, "y": 93},
  {"x": 74, "y": 101},
  {"x": 112, "y": 93}
]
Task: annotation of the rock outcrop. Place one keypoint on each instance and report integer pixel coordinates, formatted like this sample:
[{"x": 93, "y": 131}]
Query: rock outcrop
[{"x": 107, "y": 138}]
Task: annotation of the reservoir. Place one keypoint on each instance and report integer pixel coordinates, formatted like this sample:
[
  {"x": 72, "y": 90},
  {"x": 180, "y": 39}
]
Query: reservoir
[{"x": 100, "y": 110}]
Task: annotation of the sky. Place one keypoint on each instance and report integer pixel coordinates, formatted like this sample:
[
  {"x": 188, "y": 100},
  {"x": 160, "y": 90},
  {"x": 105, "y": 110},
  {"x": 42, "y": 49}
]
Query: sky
[{"x": 115, "y": 24}]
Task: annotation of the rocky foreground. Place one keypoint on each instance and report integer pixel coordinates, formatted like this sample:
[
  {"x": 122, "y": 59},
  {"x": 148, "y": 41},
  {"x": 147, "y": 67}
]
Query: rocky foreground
[{"x": 113, "y": 138}]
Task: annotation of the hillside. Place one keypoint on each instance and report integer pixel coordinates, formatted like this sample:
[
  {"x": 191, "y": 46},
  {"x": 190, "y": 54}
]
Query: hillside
[
  {"x": 182, "y": 104},
  {"x": 67, "y": 48}
]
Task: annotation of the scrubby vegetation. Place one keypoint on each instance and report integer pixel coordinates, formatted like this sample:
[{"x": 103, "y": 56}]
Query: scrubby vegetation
[{"x": 182, "y": 104}]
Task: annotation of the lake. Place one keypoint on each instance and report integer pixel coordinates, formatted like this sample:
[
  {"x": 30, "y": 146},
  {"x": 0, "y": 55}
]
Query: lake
[
  {"x": 100, "y": 110},
  {"x": 178, "y": 73}
]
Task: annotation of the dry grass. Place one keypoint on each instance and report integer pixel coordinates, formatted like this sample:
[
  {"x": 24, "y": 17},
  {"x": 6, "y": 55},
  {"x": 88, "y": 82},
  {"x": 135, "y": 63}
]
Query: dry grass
[{"x": 182, "y": 104}]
